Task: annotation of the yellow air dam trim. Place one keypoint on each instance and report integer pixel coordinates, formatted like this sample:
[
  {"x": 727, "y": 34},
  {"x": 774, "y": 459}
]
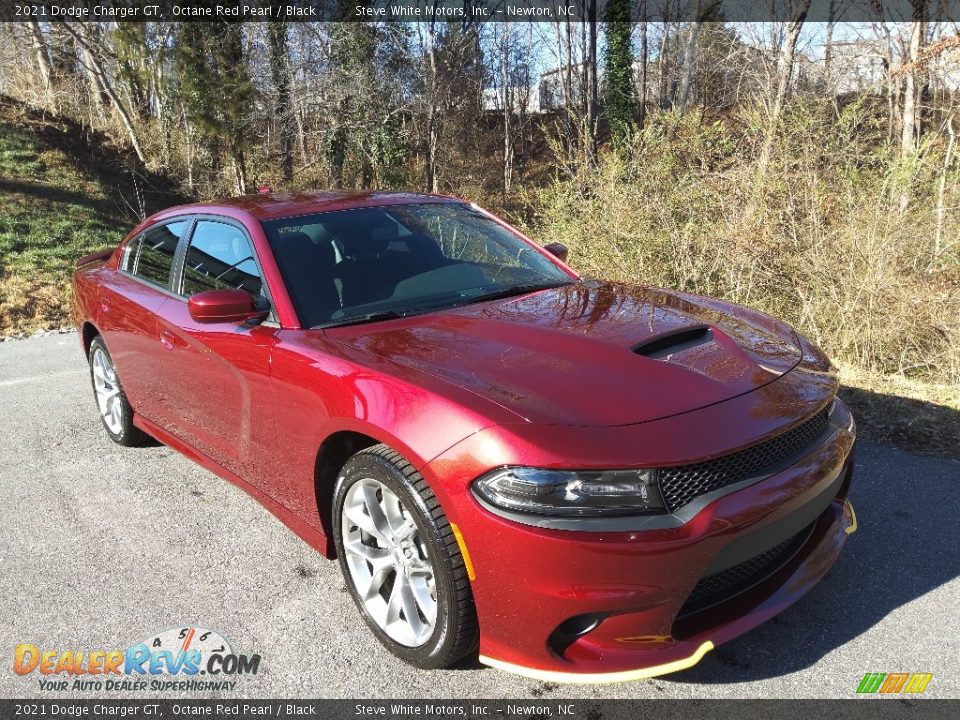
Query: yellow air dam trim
[
  {"x": 852, "y": 527},
  {"x": 601, "y": 678}
]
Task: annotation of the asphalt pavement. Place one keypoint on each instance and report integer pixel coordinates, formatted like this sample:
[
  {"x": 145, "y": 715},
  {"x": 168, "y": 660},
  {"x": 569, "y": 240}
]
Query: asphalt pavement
[{"x": 103, "y": 546}]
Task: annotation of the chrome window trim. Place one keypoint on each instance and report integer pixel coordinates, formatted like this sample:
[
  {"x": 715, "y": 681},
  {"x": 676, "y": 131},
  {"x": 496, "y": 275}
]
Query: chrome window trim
[
  {"x": 180, "y": 259},
  {"x": 138, "y": 240}
]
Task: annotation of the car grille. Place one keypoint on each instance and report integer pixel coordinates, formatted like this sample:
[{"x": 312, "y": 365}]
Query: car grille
[
  {"x": 733, "y": 581},
  {"x": 681, "y": 484}
]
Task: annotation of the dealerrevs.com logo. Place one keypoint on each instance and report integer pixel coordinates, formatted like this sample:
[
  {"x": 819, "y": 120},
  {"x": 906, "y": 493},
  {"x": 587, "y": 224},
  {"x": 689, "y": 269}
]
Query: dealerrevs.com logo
[{"x": 181, "y": 659}]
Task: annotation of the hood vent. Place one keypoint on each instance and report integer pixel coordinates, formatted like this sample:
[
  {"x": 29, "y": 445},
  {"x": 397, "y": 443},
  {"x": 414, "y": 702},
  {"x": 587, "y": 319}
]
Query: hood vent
[{"x": 674, "y": 341}]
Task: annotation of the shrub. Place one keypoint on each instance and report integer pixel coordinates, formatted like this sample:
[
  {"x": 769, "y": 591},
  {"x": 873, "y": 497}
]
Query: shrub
[{"x": 836, "y": 236}]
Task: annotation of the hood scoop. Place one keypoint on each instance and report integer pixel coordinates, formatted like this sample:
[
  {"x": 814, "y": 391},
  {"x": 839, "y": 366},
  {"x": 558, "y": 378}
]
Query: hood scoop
[{"x": 666, "y": 344}]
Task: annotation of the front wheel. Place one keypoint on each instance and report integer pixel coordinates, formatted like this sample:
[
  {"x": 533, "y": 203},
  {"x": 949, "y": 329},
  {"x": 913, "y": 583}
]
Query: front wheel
[{"x": 401, "y": 560}]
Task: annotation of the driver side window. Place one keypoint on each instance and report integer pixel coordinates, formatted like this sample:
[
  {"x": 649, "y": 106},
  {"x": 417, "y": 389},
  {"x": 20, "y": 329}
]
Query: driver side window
[{"x": 220, "y": 257}]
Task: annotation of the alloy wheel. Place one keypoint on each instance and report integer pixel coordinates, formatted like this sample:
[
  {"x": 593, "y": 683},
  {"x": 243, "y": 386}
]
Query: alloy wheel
[
  {"x": 108, "y": 391},
  {"x": 388, "y": 563}
]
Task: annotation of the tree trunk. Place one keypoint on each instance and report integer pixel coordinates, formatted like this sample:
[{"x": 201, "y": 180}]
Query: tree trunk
[
  {"x": 568, "y": 85},
  {"x": 893, "y": 86},
  {"x": 663, "y": 61},
  {"x": 642, "y": 110},
  {"x": 590, "y": 142},
  {"x": 783, "y": 84},
  {"x": 507, "y": 113},
  {"x": 947, "y": 161},
  {"x": 44, "y": 64},
  {"x": 828, "y": 47},
  {"x": 93, "y": 82},
  {"x": 908, "y": 136},
  {"x": 280, "y": 69},
  {"x": 430, "y": 158},
  {"x": 239, "y": 169},
  {"x": 688, "y": 58}
]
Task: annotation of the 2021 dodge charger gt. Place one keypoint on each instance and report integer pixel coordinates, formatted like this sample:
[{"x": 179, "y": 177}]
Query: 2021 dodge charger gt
[{"x": 586, "y": 481}]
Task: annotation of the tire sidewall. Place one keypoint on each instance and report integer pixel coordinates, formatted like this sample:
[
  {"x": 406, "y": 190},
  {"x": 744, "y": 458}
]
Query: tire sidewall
[
  {"x": 371, "y": 466},
  {"x": 127, "y": 429}
]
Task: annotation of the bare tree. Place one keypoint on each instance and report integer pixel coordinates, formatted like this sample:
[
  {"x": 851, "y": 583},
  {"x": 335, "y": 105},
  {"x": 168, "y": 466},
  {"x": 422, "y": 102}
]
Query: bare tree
[
  {"x": 663, "y": 58},
  {"x": 97, "y": 67},
  {"x": 94, "y": 88},
  {"x": 644, "y": 52},
  {"x": 508, "y": 109},
  {"x": 828, "y": 44},
  {"x": 785, "y": 74},
  {"x": 592, "y": 83},
  {"x": 280, "y": 69},
  {"x": 44, "y": 64},
  {"x": 938, "y": 242},
  {"x": 909, "y": 134},
  {"x": 432, "y": 101},
  {"x": 686, "y": 71}
]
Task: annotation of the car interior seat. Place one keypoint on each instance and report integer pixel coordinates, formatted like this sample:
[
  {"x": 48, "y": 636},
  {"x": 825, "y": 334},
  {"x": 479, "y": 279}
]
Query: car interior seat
[{"x": 308, "y": 268}]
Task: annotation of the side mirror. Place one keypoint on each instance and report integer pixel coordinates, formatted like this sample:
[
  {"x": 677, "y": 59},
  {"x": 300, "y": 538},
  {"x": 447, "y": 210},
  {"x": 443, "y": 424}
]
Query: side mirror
[
  {"x": 224, "y": 306},
  {"x": 558, "y": 250}
]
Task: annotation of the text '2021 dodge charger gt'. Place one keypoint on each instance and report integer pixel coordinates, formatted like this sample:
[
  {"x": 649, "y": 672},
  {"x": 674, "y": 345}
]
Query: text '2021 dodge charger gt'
[{"x": 581, "y": 480}]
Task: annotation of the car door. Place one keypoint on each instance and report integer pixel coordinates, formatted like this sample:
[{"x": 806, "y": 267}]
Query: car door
[
  {"x": 130, "y": 300},
  {"x": 217, "y": 374}
]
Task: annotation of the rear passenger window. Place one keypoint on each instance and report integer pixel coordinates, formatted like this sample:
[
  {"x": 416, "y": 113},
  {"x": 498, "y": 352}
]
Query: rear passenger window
[
  {"x": 220, "y": 256},
  {"x": 151, "y": 257}
]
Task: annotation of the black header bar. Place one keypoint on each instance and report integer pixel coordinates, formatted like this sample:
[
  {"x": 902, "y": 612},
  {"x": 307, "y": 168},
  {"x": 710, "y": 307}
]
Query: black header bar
[
  {"x": 471, "y": 10},
  {"x": 523, "y": 709}
]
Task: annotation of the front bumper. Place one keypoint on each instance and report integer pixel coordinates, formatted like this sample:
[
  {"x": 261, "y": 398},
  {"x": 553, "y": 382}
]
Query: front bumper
[{"x": 530, "y": 582}]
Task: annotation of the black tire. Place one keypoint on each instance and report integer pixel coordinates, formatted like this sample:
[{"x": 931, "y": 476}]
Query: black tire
[
  {"x": 128, "y": 435},
  {"x": 455, "y": 634}
]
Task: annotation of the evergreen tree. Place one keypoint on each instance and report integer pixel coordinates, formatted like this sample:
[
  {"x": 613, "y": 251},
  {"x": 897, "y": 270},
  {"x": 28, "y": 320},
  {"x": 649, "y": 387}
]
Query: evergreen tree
[
  {"x": 621, "y": 103},
  {"x": 216, "y": 90}
]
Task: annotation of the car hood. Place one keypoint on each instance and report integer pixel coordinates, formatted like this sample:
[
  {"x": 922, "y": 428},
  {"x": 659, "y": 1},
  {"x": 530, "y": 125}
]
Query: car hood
[{"x": 591, "y": 353}]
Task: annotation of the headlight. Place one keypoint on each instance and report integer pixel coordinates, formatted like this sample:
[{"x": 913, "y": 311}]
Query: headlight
[
  {"x": 813, "y": 356},
  {"x": 572, "y": 493}
]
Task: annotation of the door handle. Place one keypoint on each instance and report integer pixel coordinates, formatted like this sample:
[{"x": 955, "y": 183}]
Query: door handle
[{"x": 167, "y": 339}]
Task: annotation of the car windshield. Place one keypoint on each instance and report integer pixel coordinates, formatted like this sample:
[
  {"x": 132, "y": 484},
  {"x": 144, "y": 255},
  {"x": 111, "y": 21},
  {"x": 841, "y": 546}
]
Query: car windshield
[{"x": 373, "y": 263}]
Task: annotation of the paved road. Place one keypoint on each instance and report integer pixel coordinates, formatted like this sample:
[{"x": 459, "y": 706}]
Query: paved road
[{"x": 101, "y": 546}]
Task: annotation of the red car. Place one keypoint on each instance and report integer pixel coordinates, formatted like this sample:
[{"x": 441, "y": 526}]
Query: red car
[{"x": 588, "y": 481}]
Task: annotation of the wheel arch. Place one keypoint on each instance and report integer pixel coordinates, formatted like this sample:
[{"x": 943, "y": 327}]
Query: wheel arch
[
  {"x": 343, "y": 438},
  {"x": 334, "y": 451},
  {"x": 87, "y": 333}
]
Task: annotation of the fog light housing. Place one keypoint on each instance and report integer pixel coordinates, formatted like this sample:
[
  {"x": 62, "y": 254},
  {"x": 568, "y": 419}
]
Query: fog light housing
[{"x": 572, "y": 493}]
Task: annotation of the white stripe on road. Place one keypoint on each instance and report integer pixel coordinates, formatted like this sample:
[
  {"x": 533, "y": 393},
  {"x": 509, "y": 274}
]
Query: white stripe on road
[{"x": 45, "y": 376}]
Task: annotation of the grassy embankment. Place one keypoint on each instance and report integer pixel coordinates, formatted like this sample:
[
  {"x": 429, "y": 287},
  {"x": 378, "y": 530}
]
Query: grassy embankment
[{"x": 63, "y": 193}]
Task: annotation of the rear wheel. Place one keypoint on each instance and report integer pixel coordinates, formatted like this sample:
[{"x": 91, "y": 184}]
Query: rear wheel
[
  {"x": 115, "y": 411},
  {"x": 401, "y": 560}
]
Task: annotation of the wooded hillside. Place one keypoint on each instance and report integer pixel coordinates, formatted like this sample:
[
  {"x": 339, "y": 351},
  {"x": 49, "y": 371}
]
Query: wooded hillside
[{"x": 809, "y": 170}]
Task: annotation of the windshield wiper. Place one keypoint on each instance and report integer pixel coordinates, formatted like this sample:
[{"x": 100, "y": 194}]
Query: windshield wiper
[
  {"x": 375, "y": 317},
  {"x": 396, "y": 314},
  {"x": 514, "y": 291}
]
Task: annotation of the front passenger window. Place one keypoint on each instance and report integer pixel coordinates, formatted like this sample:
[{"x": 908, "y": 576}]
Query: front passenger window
[{"x": 220, "y": 257}]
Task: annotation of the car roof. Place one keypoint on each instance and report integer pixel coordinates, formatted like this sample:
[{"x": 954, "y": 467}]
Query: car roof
[{"x": 269, "y": 206}]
